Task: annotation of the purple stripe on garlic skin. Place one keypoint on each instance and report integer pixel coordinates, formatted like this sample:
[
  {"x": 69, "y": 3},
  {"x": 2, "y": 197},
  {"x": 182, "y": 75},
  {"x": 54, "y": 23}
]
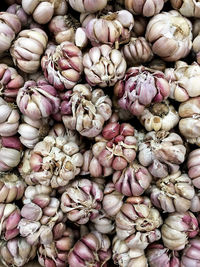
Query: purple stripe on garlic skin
[
  {"x": 193, "y": 165},
  {"x": 190, "y": 255},
  {"x": 90, "y": 6},
  {"x": 18, "y": 10}
]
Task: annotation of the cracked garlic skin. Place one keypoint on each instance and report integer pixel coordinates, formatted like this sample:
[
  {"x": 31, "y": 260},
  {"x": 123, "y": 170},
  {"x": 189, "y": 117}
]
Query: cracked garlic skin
[
  {"x": 173, "y": 193},
  {"x": 170, "y": 35},
  {"x": 54, "y": 161},
  {"x": 184, "y": 81},
  {"x": 127, "y": 257},
  {"x": 103, "y": 66},
  {"x": 81, "y": 201},
  {"x": 177, "y": 228},
  {"x": 159, "y": 116},
  {"x": 137, "y": 222},
  {"x": 140, "y": 87},
  {"x": 86, "y": 110},
  {"x": 62, "y": 65},
  {"x": 188, "y": 8},
  {"x": 162, "y": 152},
  {"x": 189, "y": 124}
]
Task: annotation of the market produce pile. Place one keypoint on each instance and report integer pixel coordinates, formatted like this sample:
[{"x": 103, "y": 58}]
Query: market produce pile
[{"x": 100, "y": 133}]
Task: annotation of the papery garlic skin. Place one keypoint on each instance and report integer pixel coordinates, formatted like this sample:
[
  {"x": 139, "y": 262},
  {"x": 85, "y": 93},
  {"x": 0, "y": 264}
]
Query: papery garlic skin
[
  {"x": 63, "y": 28},
  {"x": 39, "y": 213},
  {"x": 96, "y": 249},
  {"x": 112, "y": 200},
  {"x": 56, "y": 253},
  {"x": 103, "y": 66},
  {"x": 9, "y": 118},
  {"x": 62, "y": 65},
  {"x": 133, "y": 180},
  {"x": 81, "y": 201},
  {"x": 140, "y": 87},
  {"x": 170, "y": 35},
  {"x": 177, "y": 228},
  {"x": 159, "y": 116},
  {"x": 103, "y": 223},
  {"x": 160, "y": 256},
  {"x": 193, "y": 165},
  {"x": 10, "y": 152},
  {"x": 42, "y": 11},
  {"x": 10, "y": 26},
  {"x": 137, "y": 51},
  {"x": 188, "y": 8},
  {"x": 173, "y": 193},
  {"x": 90, "y": 6},
  {"x": 190, "y": 255},
  {"x": 189, "y": 124},
  {"x": 127, "y": 257},
  {"x": 184, "y": 80},
  {"x": 144, "y": 7},
  {"x": 38, "y": 100},
  {"x": 19, "y": 12},
  {"x": 28, "y": 48},
  {"x": 137, "y": 222},
  {"x": 111, "y": 29},
  {"x": 12, "y": 187},
  {"x": 32, "y": 131},
  {"x": 9, "y": 220},
  {"x": 162, "y": 153},
  {"x": 86, "y": 110},
  {"x": 16, "y": 252},
  {"x": 113, "y": 150},
  {"x": 10, "y": 82},
  {"x": 54, "y": 161}
]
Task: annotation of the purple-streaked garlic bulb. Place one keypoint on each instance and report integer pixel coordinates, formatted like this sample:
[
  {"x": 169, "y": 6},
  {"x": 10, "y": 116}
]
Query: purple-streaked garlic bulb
[
  {"x": 10, "y": 152},
  {"x": 137, "y": 222},
  {"x": 9, "y": 220},
  {"x": 17, "y": 252},
  {"x": 90, "y": 6},
  {"x": 10, "y": 82},
  {"x": 184, "y": 80},
  {"x": 19, "y": 11},
  {"x": 191, "y": 253},
  {"x": 32, "y": 131},
  {"x": 103, "y": 223},
  {"x": 140, "y": 87},
  {"x": 188, "y": 8},
  {"x": 81, "y": 201},
  {"x": 113, "y": 150},
  {"x": 112, "y": 200},
  {"x": 160, "y": 256},
  {"x": 43, "y": 10},
  {"x": 111, "y": 29},
  {"x": 93, "y": 249},
  {"x": 62, "y": 65},
  {"x": 124, "y": 256},
  {"x": 170, "y": 35},
  {"x": 133, "y": 180},
  {"x": 145, "y": 8},
  {"x": 193, "y": 165},
  {"x": 159, "y": 116},
  {"x": 103, "y": 66},
  {"x": 12, "y": 187},
  {"x": 63, "y": 28},
  {"x": 28, "y": 48},
  {"x": 39, "y": 213},
  {"x": 173, "y": 193},
  {"x": 189, "y": 124},
  {"x": 86, "y": 110},
  {"x": 10, "y": 26},
  {"x": 9, "y": 118},
  {"x": 56, "y": 253},
  {"x": 177, "y": 228},
  {"x": 38, "y": 100},
  {"x": 54, "y": 161},
  {"x": 162, "y": 152},
  {"x": 137, "y": 51}
]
